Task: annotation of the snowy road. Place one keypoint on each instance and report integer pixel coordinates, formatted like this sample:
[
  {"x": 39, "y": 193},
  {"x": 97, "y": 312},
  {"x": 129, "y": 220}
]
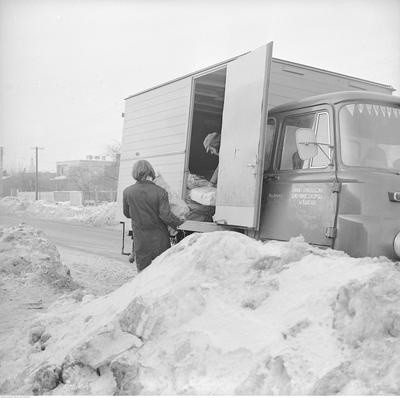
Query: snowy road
[{"x": 102, "y": 241}]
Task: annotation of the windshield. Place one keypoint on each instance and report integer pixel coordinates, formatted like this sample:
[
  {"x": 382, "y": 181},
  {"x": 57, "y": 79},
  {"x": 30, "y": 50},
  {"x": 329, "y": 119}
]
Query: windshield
[{"x": 370, "y": 135}]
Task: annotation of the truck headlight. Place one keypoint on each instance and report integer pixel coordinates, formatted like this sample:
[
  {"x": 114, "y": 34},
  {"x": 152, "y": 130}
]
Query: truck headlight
[{"x": 396, "y": 244}]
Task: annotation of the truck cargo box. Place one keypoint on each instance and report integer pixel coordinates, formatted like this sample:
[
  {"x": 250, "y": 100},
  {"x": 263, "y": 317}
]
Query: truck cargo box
[{"x": 167, "y": 124}]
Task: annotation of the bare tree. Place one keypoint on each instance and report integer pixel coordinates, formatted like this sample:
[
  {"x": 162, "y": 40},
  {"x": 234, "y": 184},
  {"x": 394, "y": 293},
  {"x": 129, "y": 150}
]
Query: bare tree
[
  {"x": 114, "y": 150},
  {"x": 111, "y": 172},
  {"x": 85, "y": 179}
]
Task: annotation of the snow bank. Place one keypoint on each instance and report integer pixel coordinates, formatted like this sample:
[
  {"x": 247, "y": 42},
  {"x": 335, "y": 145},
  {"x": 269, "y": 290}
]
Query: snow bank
[
  {"x": 26, "y": 253},
  {"x": 220, "y": 313},
  {"x": 31, "y": 277},
  {"x": 103, "y": 214}
]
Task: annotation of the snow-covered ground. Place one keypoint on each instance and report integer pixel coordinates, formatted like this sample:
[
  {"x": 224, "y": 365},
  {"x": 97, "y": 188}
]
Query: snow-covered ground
[
  {"x": 97, "y": 274},
  {"x": 33, "y": 276},
  {"x": 103, "y": 214},
  {"x": 220, "y": 313}
]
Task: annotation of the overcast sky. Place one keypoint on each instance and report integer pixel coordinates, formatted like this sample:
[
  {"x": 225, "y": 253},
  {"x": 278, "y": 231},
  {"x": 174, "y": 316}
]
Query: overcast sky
[{"x": 67, "y": 65}]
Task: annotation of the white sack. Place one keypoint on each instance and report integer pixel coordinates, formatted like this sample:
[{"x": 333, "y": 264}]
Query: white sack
[
  {"x": 204, "y": 195},
  {"x": 195, "y": 181},
  {"x": 178, "y": 205}
]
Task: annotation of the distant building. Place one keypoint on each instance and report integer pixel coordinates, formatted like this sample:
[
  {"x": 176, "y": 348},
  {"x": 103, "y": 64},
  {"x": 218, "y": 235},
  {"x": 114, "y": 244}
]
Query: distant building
[
  {"x": 95, "y": 173},
  {"x": 64, "y": 168}
]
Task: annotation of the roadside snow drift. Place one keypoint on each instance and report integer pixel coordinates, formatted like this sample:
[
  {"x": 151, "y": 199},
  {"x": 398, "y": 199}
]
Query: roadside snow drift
[
  {"x": 103, "y": 214},
  {"x": 25, "y": 253},
  {"x": 31, "y": 277},
  {"x": 220, "y": 313}
]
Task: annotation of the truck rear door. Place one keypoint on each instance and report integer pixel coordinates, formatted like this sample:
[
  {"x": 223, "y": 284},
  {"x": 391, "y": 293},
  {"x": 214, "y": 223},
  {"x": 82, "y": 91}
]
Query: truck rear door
[{"x": 241, "y": 157}]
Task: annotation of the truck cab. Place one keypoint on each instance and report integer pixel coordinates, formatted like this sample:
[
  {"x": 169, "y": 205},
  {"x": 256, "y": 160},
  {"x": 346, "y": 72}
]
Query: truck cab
[{"x": 334, "y": 173}]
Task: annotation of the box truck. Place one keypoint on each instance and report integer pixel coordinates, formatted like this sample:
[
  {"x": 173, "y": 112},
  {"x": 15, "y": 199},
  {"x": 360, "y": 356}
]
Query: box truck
[{"x": 304, "y": 151}]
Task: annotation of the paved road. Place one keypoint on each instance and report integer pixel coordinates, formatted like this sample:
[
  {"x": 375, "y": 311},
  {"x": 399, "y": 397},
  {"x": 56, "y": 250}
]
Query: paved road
[{"x": 104, "y": 241}]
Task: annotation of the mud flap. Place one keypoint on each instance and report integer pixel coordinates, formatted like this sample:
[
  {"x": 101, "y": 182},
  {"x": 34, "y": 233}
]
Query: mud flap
[{"x": 123, "y": 252}]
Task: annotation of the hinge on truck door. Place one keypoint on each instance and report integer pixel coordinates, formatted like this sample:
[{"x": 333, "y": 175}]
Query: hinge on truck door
[
  {"x": 336, "y": 187},
  {"x": 331, "y": 232}
]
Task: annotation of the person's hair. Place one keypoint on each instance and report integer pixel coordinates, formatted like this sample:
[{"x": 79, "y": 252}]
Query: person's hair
[
  {"x": 143, "y": 169},
  {"x": 212, "y": 140}
]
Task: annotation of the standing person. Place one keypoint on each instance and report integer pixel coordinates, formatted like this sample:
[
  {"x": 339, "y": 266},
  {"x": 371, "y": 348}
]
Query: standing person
[
  {"x": 147, "y": 205},
  {"x": 211, "y": 144}
]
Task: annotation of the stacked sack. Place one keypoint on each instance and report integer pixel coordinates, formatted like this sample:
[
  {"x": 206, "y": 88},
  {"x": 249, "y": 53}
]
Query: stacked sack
[
  {"x": 201, "y": 191},
  {"x": 178, "y": 205}
]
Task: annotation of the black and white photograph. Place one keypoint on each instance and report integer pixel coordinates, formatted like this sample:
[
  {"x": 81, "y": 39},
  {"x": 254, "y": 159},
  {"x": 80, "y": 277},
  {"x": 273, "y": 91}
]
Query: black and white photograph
[{"x": 199, "y": 197}]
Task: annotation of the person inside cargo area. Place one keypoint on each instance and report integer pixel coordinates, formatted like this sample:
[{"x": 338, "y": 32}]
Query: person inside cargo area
[
  {"x": 201, "y": 194},
  {"x": 148, "y": 207},
  {"x": 211, "y": 144}
]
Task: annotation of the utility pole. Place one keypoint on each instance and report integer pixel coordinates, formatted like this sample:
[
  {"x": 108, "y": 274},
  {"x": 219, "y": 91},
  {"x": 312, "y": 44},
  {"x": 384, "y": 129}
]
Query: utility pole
[{"x": 36, "y": 148}]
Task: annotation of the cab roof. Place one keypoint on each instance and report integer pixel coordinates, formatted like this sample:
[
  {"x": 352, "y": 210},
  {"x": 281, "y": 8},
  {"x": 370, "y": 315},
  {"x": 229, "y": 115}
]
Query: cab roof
[{"x": 335, "y": 98}]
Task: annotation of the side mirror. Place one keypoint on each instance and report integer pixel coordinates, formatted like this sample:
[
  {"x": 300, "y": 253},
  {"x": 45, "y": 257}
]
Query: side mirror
[{"x": 306, "y": 143}]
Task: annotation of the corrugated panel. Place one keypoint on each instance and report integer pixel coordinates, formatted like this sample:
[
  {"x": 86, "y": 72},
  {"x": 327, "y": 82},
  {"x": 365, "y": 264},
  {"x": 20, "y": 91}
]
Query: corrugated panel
[
  {"x": 150, "y": 136},
  {"x": 167, "y": 118},
  {"x": 166, "y": 145},
  {"x": 290, "y": 82},
  {"x": 159, "y": 126},
  {"x": 151, "y": 95},
  {"x": 155, "y": 128},
  {"x": 138, "y": 114}
]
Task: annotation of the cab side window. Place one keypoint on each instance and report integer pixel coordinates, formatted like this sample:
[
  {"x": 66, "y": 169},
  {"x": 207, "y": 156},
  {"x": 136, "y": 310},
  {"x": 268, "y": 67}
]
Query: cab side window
[
  {"x": 290, "y": 159},
  {"x": 319, "y": 123},
  {"x": 321, "y": 159}
]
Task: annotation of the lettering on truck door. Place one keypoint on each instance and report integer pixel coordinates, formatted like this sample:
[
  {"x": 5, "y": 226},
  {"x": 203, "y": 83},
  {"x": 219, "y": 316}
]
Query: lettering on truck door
[{"x": 300, "y": 196}]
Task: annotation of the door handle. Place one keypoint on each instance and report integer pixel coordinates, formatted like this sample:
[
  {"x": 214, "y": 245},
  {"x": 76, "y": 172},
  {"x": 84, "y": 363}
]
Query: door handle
[
  {"x": 253, "y": 165},
  {"x": 271, "y": 177}
]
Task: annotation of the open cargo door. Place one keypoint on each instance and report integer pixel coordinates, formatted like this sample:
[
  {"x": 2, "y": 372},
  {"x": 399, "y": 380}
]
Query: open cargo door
[{"x": 241, "y": 157}]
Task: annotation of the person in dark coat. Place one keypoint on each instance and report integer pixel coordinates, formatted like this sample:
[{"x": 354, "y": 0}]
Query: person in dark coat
[{"x": 147, "y": 205}]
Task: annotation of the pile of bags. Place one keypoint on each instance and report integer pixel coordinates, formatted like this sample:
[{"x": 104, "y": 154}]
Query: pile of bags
[
  {"x": 201, "y": 191},
  {"x": 201, "y": 198},
  {"x": 204, "y": 195},
  {"x": 178, "y": 205}
]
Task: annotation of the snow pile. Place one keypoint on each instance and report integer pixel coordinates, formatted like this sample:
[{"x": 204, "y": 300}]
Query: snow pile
[
  {"x": 10, "y": 204},
  {"x": 26, "y": 253},
  {"x": 103, "y": 214},
  {"x": 95, "y": 273},
  {"x": 220, "y": 313},
  {"x": 31, "y": 277}
]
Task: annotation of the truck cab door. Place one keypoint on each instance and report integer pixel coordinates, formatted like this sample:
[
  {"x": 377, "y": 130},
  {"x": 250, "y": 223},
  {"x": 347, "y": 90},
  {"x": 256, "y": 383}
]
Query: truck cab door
[
  {"x": 300, "y": 196},
  {"x": 241, "y": 156}
]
